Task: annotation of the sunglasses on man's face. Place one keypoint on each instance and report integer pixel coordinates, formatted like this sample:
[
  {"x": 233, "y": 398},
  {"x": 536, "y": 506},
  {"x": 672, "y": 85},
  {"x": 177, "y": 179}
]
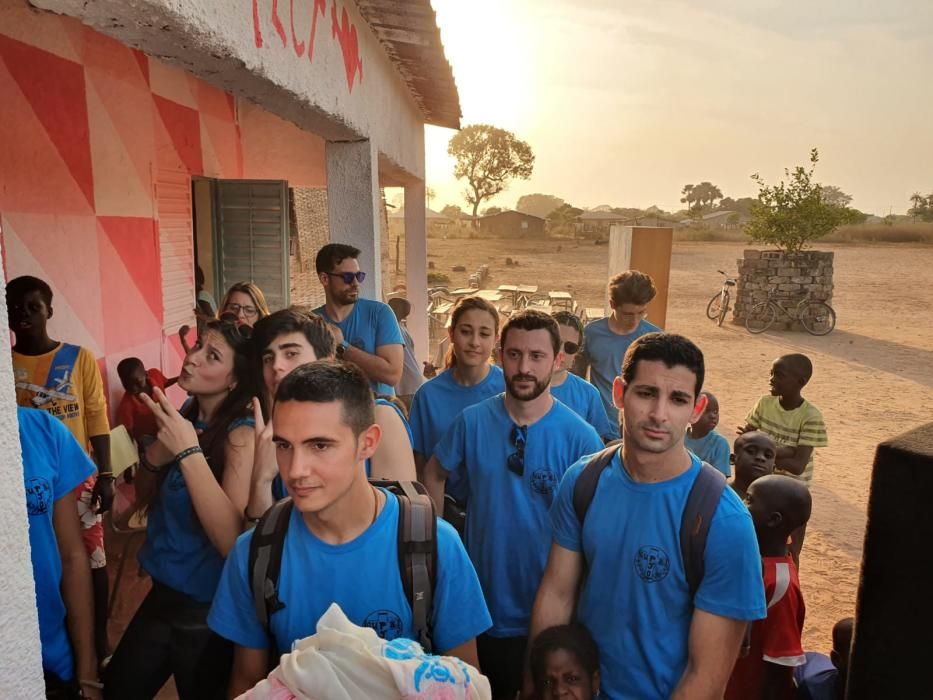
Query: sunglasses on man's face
[
  {"x": 571, "y": 348},
  {"x": 516, "y": 460},
  {"x": 348, "y": 277}
]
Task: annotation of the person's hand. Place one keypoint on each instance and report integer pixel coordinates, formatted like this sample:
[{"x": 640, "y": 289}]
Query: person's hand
[
  {"x": 742, "y": 429},
  {"x": 91, "y": 693},
  {"x": 102, "y": 495},
  {"x": 338, "y": 334},
  {"x": 265, "y": 466},
  {"x": 175, "y": 432},
  {"x": 430, "y": 371}
]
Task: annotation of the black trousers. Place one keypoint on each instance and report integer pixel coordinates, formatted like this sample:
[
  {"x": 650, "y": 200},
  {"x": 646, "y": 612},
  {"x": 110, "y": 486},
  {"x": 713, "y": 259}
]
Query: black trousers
[
  {"x": 501, "y": 660},
  {"x": 169, "y": 636}
]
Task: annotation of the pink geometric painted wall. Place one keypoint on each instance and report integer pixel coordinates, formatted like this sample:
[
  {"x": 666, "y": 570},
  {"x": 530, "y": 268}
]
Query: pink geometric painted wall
[{"x": 88, "y": 122}]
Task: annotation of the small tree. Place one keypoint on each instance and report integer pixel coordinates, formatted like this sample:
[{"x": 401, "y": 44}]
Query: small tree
[
  {"x": 489, "y": 157},
  {"x": 793, "y": 213}
]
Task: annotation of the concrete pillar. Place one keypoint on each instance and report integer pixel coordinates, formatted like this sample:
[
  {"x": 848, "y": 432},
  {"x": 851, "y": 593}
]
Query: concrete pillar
[
  {"x": 416, "y": 267},
  {"x": 353, "y": 206},
  {"x": 20, "y": 650}
]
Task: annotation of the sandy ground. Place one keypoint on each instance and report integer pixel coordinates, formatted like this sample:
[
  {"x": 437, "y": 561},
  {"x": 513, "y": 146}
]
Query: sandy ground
[{"x": 873, "y": 375}]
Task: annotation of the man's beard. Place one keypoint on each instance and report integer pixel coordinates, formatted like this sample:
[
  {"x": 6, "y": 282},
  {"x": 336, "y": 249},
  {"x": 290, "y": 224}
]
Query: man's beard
[
  {"x": 539, "y": 387},
  {"x": 347, "y": 297}
]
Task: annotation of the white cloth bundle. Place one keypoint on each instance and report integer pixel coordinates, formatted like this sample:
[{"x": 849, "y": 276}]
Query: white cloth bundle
[{"x": 345, "y": 662}]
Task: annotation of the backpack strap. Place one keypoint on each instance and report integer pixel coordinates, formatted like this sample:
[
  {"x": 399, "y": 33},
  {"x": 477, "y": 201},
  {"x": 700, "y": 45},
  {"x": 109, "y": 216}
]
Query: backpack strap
[
  {"x": 417, "y": 555},
  {"x": 694, "y": 526},
  {"x": 265, "y": 560},
  {"x": 584, "y": 490}
]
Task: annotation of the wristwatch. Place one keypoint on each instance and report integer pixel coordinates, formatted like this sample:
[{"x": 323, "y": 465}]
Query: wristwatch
[{"x": 342, "y": 348}]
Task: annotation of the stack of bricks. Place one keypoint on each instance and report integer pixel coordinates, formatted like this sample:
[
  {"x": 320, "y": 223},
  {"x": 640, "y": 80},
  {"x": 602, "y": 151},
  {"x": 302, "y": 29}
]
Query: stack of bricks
[{"x": 792, "y": 275}]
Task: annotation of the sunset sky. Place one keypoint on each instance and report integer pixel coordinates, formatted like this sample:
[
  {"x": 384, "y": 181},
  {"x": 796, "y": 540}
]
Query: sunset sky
[{"x": 625, "y": 101}]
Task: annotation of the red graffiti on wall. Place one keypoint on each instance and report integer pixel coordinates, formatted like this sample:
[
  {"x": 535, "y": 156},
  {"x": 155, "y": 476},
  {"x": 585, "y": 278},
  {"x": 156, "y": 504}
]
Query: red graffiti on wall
[{"x": 342, "y": 30}]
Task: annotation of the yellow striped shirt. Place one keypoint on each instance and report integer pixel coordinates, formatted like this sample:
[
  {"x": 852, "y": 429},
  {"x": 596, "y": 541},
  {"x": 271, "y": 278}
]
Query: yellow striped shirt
[{"x": 800, "y": 426}]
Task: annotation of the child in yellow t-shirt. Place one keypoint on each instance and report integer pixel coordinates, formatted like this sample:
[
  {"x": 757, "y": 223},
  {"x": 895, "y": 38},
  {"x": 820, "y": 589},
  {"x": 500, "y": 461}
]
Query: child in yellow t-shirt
[
  {"x": 795, "y": 424},
  {"x": 64, "y": 380}
]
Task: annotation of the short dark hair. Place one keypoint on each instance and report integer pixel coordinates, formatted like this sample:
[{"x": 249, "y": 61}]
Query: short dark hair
[
  {"x": 671, "y": 349},
  {"x": 632, "y": 287},
  {"x": 799, "y": 364},
  {"x": 532, "y": 320},
  {"x": 294, "y": 320},
  {"x": 573, "y": 638},
  {"x": 24, "y": 284},
  {"x": 331, "y": 255},
  {"x": 127, "y": 366},
  {"x": 325, "y": 381},
  {"x": 571, "y": 320},
  {"x": 400, "y": 306}
]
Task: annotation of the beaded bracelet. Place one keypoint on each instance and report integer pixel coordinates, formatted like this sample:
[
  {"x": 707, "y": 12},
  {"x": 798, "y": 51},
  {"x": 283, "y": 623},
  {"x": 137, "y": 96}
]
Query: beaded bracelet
[{"x": 187, "y": 452}]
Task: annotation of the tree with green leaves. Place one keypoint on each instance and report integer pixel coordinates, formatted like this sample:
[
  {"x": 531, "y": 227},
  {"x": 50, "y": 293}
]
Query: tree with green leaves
[
  {"x": 835, "y": 197},
  {"x": 793, "y": 213},
  {"x": 921, "y": 207},
  {"x": 538, "y": 204},
  {"x": 701, "y": 197},
  {"x": 488, "y": 158},
  {"x": 452, "y": 211}
]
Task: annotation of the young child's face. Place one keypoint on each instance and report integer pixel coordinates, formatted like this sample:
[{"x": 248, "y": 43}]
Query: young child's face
[
  {"x": 566, "y": 678},
  {"x": 710, "y": 418},
  {"x": 29, "y": 314},
  {"x": 754, "y": 456},
  {"x": 758, "y": 507},
  {"x": 784, "y": 381},
  {"x": 137, "y": 382}
]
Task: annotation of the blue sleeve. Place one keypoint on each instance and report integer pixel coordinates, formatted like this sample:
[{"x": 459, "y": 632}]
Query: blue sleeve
[
  {"x": 596, "y": 415},
  {"x": 232, "y": 614},
  {"x": 418, "y": 421},
  {"x": 460, "y": 613},
  {"x": 565, "y": 528},
  {"x": 719, "y": 455},
  {"x": 451, "y": 450},
  {"x": 74, "y": 466},
  {"x": 387, "y": 329},
  {"x": 732, "y": 584}
]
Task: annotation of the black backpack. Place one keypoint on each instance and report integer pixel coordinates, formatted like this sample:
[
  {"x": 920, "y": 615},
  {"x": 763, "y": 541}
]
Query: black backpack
[
  {"x": 417, "y": 555},
  {"x": 698, "y": 512}
]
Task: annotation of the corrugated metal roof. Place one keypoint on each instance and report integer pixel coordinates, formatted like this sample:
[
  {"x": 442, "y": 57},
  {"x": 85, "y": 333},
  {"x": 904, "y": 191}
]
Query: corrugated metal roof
[{"x": 407, "y": 30}]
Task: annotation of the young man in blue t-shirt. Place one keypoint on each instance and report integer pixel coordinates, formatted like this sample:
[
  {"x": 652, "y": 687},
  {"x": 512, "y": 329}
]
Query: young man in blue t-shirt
[
  {"x": 606, "y": 340},
  {"x": 54, "y": 465},
  {"x": 367, "y": 332},
  {"x": 341, "y": 545},
  {"x": 655, "y": 640},
  {"x": 513, "y": 450}
]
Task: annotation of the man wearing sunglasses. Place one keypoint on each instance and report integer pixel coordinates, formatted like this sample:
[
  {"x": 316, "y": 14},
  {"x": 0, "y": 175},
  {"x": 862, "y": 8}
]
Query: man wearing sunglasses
[
  {"x": 606, "y": 340},
  {"x": 513, "y": 450},
  {"x": 367, "y": 332}
]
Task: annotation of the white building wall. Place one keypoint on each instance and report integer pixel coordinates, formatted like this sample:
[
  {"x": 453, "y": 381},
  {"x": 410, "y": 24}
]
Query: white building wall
[{"x": 20, "y": 651}]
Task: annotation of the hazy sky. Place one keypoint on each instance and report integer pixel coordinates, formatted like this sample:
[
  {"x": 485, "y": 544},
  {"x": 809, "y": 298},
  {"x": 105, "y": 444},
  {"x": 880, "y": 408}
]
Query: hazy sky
[{"x": 625, "y": 101}]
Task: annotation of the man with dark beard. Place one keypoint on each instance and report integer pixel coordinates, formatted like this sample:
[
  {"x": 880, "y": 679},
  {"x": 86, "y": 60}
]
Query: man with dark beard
[
  {"x": 513, "y": 450},
  {"x": 367, "y": 333}
]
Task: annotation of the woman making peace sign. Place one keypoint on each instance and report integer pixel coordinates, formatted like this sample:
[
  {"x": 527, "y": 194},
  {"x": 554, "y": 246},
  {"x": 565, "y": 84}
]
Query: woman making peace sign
[{"x": 195, "y": 480}]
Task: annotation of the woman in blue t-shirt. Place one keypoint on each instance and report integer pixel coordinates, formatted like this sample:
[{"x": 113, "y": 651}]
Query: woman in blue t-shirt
[
  {"x": 469, "y": 378},
  {"x": 194, "y": 480}
]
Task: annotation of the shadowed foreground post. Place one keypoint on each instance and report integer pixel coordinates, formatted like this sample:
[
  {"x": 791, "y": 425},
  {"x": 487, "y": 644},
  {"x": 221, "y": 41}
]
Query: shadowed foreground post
[{"x": 894, "y": 609}]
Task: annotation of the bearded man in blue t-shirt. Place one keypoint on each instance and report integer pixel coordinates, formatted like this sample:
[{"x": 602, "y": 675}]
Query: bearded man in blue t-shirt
[
  {"x": 341, "y": 545},
  {"x": 655, "y": 639},
  {"x": 512, "y": 449}
]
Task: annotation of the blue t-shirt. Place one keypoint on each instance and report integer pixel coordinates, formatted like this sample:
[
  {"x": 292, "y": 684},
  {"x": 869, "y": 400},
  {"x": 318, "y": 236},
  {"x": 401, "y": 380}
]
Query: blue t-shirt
[
  {"x": 635, "y": 600},
  {"x": 816, "y": 679},
  {"x": 584, "y": 399},
  {"x": 507, "y": 515},
  {"x": 434, "y": 408},
  {"x": 713, "y": 449},
  {"x": 604, "y": 351},
  {"x": 54, "y": 465},
  {"x": 369, "y": 326},
  {"x": 361, "y": 576},
  {"x": 178, "y": 552}
]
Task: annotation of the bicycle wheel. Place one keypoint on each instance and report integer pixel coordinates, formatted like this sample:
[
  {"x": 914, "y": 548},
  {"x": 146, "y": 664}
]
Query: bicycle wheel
[
  {"x": 713, "y": 308},
  {"x": 724, "y": 310},
  {"x": 817, "y": 317},
  {"x": 760, "y": 317}
]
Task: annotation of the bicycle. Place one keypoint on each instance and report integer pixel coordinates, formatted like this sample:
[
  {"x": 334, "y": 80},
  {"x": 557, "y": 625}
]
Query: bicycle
[
  {"x": 718, "y": 306},
  {"x": 817, "y": 317}
]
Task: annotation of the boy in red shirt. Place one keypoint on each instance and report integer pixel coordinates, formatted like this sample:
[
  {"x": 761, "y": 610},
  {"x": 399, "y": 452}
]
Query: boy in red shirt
[
  {"x": 136, "y": 380},
  {"x": 778, "y": 505}
]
